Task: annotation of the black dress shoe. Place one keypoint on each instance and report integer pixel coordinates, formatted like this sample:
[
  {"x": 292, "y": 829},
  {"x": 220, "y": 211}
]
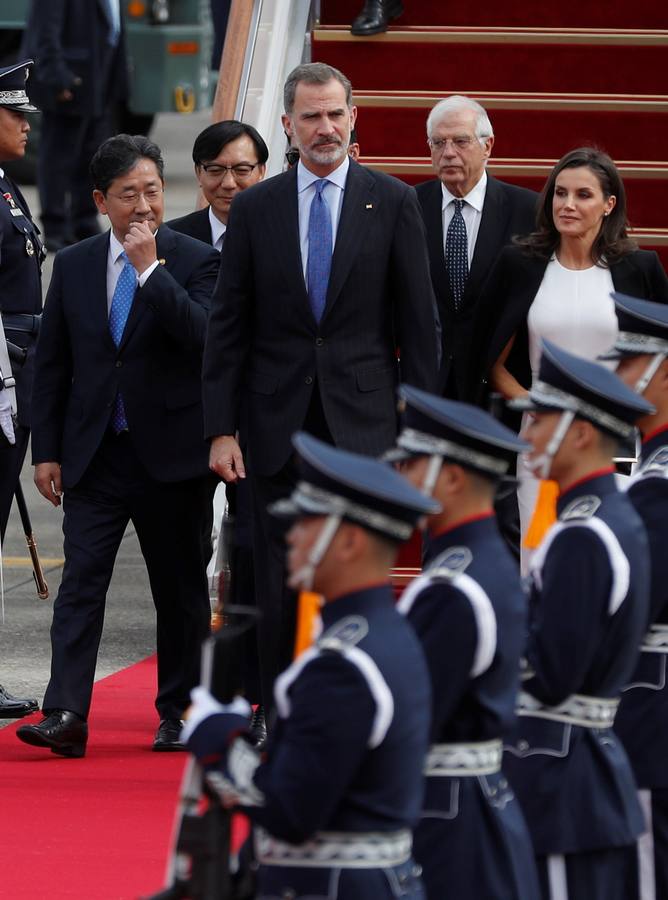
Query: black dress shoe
[
  {"x": 258, "y": 728},
  {"x": 15, "y": 708},
  {"x": 62, "y": 731},
  {"x": 375, "y": 15},
  {"x": 168, "y": 735}
]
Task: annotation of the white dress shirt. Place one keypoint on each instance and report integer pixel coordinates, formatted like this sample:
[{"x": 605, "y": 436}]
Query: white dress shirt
[
  {"x": 333, "y": 194},
  {"x": 471, "y": 212},
  {"x": 218, "y": 229},
  {"x": 115, "y": 267}
]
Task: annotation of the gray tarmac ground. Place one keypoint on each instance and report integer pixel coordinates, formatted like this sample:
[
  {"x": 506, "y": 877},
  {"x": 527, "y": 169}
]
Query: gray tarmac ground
[{"x": 129, "y": 632}]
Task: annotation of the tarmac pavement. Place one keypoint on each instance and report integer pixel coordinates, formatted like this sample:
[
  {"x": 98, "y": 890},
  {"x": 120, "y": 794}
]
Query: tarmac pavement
[{"x": 129, "y": 632}]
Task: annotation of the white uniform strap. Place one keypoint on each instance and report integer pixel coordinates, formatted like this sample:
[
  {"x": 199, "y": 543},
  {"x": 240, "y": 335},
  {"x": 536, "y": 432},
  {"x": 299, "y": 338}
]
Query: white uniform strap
[
  {"x": 483, "y": 611},
  {"x": 619, "y": 565},
  {"x": 378, "y": 687}
]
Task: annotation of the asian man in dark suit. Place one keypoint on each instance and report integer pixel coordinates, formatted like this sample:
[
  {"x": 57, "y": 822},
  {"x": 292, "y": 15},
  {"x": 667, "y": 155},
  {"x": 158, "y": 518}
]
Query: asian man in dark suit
[
  {"x": 117, "y": 428},
  {"x": 469, "y": 217},
  {"x": 229, "y": 157},
  {"x": 324, "y": 277}
]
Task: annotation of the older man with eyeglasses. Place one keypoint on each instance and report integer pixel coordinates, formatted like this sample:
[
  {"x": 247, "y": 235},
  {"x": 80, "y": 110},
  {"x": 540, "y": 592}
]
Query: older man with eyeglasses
[{"x": 469, "y": 217}]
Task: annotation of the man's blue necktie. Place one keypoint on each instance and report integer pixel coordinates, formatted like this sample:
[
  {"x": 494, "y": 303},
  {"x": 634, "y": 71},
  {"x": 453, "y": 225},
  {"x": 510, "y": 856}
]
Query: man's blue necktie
[
  {"x": 456, "y": 254},
  {"x": 319, "y": 250},
  {"x": 121, "y": 303}
]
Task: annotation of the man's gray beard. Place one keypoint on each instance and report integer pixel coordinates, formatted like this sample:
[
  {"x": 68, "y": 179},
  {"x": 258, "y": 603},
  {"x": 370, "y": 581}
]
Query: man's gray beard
[{"x": 326, "y": 157}]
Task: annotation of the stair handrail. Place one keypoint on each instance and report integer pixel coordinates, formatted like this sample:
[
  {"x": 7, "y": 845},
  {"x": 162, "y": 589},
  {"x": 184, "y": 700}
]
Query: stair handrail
[{"x": 265, "y": 40}]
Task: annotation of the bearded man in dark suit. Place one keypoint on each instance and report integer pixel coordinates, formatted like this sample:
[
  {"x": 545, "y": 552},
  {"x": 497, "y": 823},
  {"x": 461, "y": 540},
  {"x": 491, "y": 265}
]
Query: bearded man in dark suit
[
  {"x": 469, "y": 217},
  {"x": 117, "y": 427},
  {"x": 324, "y": 277}
]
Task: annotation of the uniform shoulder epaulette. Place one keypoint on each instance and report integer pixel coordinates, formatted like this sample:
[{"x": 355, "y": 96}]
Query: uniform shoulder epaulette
[
  {"x": 656, "y": 465},
  {"x": 581, "y": 508},
  {"x": 348, "y": 632},
  {"x": 451, "y": 562}
]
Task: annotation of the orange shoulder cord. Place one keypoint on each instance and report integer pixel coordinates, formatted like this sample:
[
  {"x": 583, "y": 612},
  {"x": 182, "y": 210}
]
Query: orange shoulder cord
[
  {"x": 308, "y": 612},
  {"x": 544, "y": 514}
]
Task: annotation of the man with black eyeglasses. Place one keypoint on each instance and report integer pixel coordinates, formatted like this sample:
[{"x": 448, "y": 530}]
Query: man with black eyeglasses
[
  {"x": 117, "y": 429},
  {"x": 229, "y": 157}
]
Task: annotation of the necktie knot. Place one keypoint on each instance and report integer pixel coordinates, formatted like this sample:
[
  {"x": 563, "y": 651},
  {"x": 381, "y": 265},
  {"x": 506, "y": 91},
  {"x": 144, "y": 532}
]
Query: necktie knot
[
  {"x": 320, "y": 185},
  {"x": 459, "y": 205}
]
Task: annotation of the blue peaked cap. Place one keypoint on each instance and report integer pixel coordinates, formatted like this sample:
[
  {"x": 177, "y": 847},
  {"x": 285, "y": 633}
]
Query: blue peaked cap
[
  {"x": 569, "y": 382},
  {"x": 358, "y": 488}
]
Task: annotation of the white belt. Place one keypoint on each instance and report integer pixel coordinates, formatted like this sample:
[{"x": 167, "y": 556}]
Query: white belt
[
  {"x": 656, "y": 640},
  {"x": 578, "y": 709},
  {"x": 459, "y": 760},
  {"x": 337, "y": 850}
]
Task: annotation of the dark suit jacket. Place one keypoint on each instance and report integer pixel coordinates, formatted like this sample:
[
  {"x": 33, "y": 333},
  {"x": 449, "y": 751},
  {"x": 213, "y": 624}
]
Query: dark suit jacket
[
  {"x": 263, "y": 335},
  {"x": 512, "y": 288},
  {"x": 68, "y": 39},
  {"x": 508, "y": 210},
  {"x": 196, "y": 224},
  {"x": 79, "y": 370}
]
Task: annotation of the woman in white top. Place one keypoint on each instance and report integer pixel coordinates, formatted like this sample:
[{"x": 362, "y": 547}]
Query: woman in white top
[{"x": 556, "y": 283}]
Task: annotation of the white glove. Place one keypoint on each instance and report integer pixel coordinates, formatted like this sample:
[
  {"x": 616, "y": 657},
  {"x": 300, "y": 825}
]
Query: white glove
[
  {"x": 204, "y": 704},
  {"x": 6, "y": 422}
]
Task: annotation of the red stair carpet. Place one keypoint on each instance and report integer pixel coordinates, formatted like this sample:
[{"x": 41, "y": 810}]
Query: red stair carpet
[
  {"x": 96, "y": 828},
  {"x": 553, "y": 76}
]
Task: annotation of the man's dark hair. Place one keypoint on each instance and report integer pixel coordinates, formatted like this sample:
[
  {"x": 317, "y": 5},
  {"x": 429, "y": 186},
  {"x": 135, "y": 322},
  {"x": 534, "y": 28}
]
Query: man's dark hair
[
  {"x": 313, "y": 73},
  {"x": 209, "y": 143},
  {"x": 118, "y": 154}
]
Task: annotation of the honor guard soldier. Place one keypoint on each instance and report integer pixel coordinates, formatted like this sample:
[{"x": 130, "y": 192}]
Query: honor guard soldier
[
  {"x": 588, "y": 611},
  {"x": 21, "y": 256},
  {"x": 642, "y": 718},
  {"x": 335, "y": 797},
  {"x": 469, "y": 611}
]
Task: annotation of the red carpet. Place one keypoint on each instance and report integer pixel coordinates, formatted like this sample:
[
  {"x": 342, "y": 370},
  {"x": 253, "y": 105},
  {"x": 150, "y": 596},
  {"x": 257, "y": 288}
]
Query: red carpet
[{"x": 96, "y": 828}]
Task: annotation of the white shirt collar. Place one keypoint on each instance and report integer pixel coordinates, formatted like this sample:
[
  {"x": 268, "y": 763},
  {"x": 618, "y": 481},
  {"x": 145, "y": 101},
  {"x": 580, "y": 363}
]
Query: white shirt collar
[
  {"x": 305, "y": 177},
  {"x": 115, "y": 247},
  {"x": 475, "y": 197},
  {"x": 218, "y": 228},
  {"x": 2, "y": 172}
]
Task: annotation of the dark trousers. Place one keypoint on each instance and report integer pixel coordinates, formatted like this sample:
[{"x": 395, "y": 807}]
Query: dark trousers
[
  {"x": 277, "y": 603},
  {"x": 67, "y": 144},
  {"x": 11, "y": 463},
  {"x": 115, "y": 490}
]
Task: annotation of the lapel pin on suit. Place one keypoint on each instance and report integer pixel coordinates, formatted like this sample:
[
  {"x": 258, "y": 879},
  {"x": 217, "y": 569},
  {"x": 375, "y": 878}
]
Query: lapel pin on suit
[
  {"x": 369, "y": 206},
  {"x": 162, "y": 261}
]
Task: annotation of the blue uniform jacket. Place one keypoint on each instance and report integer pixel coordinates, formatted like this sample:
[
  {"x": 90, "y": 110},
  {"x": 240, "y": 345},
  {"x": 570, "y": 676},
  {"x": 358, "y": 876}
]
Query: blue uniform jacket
[
  {"x": 472, "y": 839},
  {"x": 642, "y": 719},
  {"x": 347, "y": 752},
  {"x": 20, "y": 282},
  {"x": 588, "y": 611},
  {"x": 459, "y": 636}
]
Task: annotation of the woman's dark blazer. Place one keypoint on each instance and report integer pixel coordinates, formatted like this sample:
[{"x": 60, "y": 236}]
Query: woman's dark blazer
[{"x": 511, "y": 289}]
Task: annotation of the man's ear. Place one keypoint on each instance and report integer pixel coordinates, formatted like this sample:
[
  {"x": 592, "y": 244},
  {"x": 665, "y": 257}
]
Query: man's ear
[{"x": 100, "y": 202}]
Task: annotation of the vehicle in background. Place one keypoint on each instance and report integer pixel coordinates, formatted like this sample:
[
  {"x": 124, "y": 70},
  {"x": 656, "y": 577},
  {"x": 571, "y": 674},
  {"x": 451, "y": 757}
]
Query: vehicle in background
[{"x": 168, "y": 46}]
